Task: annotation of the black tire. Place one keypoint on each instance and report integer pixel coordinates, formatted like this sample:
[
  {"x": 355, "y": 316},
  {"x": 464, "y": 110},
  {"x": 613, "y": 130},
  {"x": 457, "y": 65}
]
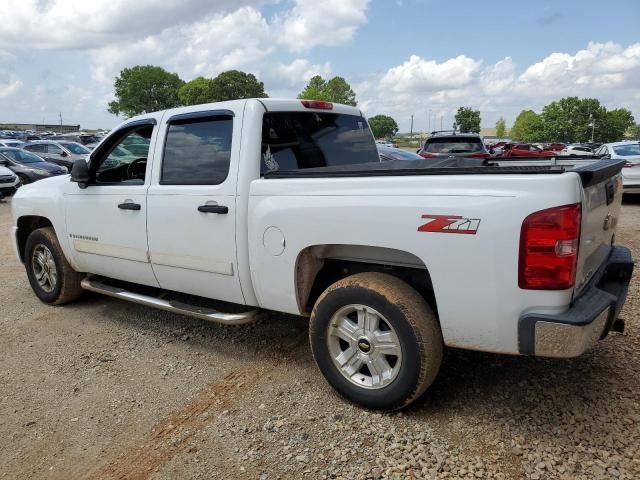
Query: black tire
[
  {"x": 67, "y": 285},
  {"x": 415, "y": 326},
  {"x": 23, "y": 179}
]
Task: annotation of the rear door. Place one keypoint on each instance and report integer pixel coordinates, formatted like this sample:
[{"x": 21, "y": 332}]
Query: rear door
[{"x": 192, "y": 206}]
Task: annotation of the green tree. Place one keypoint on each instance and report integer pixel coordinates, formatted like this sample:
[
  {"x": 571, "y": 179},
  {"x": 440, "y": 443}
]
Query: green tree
[
  {"x": 335, "y": 90},
  {"x": 501, "y": 128},
  {"x": 614, "y": 125},
  {"x": 197, "y": 91},
  {"x": 634, "y": 132},
  {"x": 568, "y": 119},
  {"x": 143, "y": 89},
  {"x": 234, "y": 85},
  {"x": 468, "y": 120},
  {"x": 527, "y": 127},
  {"x": 383, "y": 126}
]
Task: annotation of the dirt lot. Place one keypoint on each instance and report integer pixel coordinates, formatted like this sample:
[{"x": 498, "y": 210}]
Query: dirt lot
[{"x": 104, "y": 389}]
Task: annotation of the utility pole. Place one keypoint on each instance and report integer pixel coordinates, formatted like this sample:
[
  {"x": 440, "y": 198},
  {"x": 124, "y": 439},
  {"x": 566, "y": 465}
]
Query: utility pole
[
  {"x": 441, "y": 118},
  {"x": 60, "y": 118},
  {"x": 593, "y": 127},
  {"x": 411, "y": 134}
]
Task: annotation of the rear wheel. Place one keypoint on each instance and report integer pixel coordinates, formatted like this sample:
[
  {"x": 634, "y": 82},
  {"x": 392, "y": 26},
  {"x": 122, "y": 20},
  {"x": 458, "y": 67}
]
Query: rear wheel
[
  {"x": 376, "y": 340},
  {"x": 50, "y": 275}
]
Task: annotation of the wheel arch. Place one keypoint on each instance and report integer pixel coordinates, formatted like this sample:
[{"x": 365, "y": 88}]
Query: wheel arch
[
  {"x": 319, "y": 266},
  {"x": 27, "y": 224}
]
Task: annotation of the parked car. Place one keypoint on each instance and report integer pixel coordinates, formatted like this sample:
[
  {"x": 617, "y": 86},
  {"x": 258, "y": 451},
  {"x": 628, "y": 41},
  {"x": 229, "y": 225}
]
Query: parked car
[
  {"x": 28, "y": 166},
  {"x": 60, "y": 153},
  {"x": 283, "y": 205},
  {"x": 86, "y": 139},
  {"x": 630, "y": 153},
  {"x": 525, "y": 150},
  {"x": 11, "y": 143},
  {"x": 554, "y": 147},
  {"x": 452, "y": 144},
  {"x": 9, "y": 182},
  {"x": 390, "y": 153},
  {"x": 576, "y": 151},
  {"x": 386, "y": 143}
]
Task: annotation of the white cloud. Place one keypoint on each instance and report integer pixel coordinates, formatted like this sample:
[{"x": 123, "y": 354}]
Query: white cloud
[
  {"x": 328, "y": 22},
  {"x": 297, "y": 73},
  {"x": 207, "y": 47},
  {"x": 420, "y": 74},
  {"x": 82, "y": 24},
  {"x": 607, "y": 71},
  {"x": 9, "y": 86}
]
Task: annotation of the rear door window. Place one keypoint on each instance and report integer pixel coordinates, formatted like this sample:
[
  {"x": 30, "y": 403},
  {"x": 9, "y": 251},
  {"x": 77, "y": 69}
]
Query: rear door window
[
  {"x": 299, "y": 140},
  {"x": 197, "y": 151}
]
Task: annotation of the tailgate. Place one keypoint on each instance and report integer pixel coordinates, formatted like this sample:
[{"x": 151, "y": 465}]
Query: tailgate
[{"x": 602, "y": 184}]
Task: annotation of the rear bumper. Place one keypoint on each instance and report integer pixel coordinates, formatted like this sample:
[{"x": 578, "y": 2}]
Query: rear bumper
[{"x": 590, "y": 318}]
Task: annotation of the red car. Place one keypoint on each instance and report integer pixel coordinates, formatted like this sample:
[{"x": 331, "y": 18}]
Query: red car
[
  {"x": 525, "y": 150},
  {"x": 555, "y": 147}
]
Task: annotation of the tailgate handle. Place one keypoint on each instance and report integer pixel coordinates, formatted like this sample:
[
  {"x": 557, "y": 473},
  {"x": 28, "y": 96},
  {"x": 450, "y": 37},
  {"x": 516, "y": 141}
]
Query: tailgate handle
[{"x": 611, "y": 190}]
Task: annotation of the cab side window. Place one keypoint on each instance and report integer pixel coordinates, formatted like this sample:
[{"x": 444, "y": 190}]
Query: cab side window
[
  {"x": 197, "y": 151},
  {"x": 116, "y": 164}
]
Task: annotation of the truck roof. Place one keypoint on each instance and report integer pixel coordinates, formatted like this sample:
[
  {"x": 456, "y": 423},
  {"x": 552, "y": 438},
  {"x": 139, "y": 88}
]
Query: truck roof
[{"x": 270, "y": 104}]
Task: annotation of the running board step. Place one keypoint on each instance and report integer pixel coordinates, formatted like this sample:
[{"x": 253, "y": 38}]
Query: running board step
[{"x": 94, "y": 285}]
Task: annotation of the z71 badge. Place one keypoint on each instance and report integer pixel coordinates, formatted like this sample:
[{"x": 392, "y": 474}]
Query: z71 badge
[{"x": 450, "y": 224}]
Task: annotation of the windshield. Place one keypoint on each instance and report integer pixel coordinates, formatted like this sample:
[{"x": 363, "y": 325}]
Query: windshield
[
  {"x": 75, "y": 148},
  {"x": 631, "y": 150},
  {"x": 453, "y": 145},
  {"x": 21, "y": 156},
  {"x": 297, "y": 140}
]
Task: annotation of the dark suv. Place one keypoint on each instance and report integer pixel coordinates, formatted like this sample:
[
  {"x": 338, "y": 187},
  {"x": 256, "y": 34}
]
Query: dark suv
[{"x": 452, "y": 144}]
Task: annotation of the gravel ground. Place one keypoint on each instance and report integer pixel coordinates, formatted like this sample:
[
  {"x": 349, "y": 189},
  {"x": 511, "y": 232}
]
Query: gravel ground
[{"x": 103, "y": 389}]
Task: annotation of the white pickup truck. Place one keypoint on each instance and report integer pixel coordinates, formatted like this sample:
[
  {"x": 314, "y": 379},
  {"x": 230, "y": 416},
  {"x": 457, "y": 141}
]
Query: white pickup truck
[{"x": 220, "y": 211}]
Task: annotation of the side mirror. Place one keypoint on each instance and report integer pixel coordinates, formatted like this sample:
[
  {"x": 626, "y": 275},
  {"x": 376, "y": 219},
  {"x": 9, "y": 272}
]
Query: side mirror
[
  {"x": 80, "y": 173},
  {"x": 64, "y": 154}
]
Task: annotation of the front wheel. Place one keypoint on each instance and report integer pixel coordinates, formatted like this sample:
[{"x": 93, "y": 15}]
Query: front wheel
[
  {"x": 376, "y": 340},
  {"x": 51, "y": 277},
  {"x": 23, "y": 179}
]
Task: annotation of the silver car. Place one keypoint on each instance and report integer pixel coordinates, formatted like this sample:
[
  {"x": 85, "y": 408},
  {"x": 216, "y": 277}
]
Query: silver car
[
  {"x": 630, "y": 152},
  {"x": 59, "y": 152}
]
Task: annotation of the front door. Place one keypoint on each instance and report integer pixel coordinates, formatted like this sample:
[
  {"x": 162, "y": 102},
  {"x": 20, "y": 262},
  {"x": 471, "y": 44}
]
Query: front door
[
  {"x": 107, "y": 220},
  {"x": 192, "y": 207}
]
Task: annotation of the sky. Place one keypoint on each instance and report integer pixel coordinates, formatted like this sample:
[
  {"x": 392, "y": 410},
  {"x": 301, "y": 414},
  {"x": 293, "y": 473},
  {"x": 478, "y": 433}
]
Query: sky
[{"x": 423, "y": 58}]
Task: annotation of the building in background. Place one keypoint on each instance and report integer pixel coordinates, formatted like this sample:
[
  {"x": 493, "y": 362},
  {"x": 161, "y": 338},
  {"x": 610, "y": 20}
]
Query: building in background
[{"x": 38, "y": 127}]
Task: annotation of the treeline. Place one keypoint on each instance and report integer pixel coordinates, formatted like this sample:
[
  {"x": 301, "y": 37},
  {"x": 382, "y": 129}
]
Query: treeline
[
  {"x": 574, "y": 120},
  {"x": 148, "y": 88}
]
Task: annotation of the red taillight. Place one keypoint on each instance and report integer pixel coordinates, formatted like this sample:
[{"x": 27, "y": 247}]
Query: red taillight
[
  {"x": 480, "y": 155},
  {"x": 549, "y": 248},
  {"x": 426, "y": 155},
  {"x": 318, "y": 104},
  {"x": 628, "y": 165}
]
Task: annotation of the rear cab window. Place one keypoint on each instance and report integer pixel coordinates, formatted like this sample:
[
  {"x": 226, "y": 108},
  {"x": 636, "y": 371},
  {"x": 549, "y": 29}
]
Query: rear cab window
[
  {"x": 453, "y": 145},
  {"x": 299, "y": 140}
]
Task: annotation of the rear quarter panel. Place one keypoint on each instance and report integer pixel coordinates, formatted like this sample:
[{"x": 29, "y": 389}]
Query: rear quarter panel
[{"x": 474, "y": 275}]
